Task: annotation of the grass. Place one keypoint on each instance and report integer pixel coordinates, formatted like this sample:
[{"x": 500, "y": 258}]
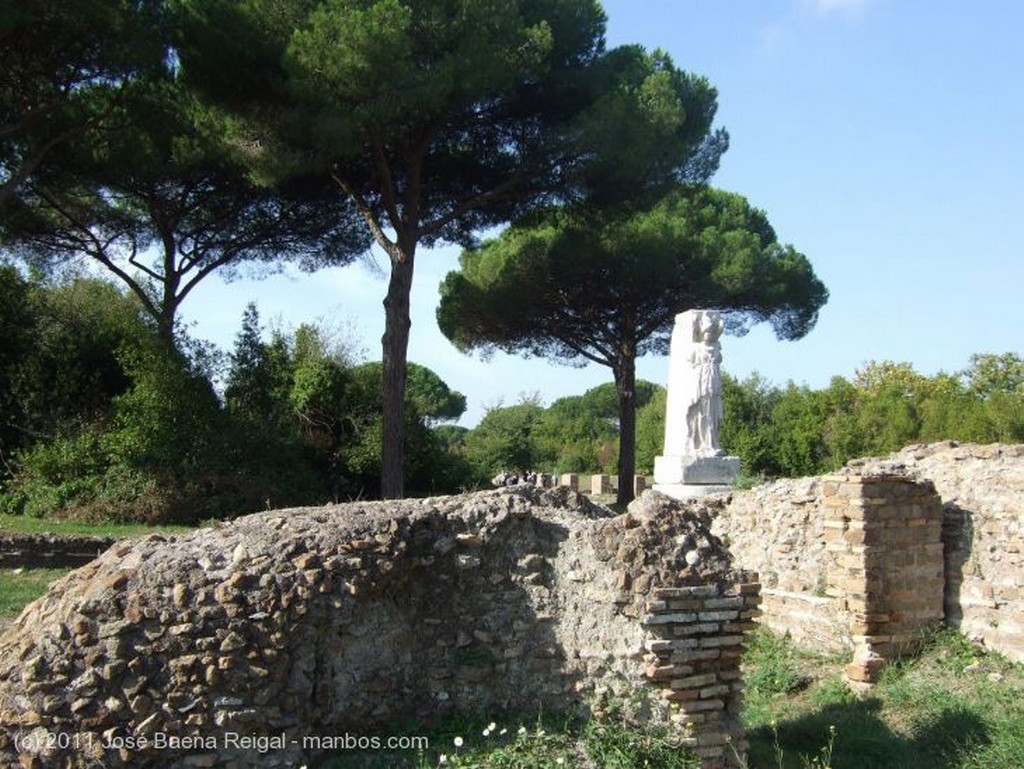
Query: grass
[
  {"x": 19, "y": 587},
  {"x": 953, "y": 707},
  {"x": 27, "y": 524},
  {"x": 545, "y": 743}
]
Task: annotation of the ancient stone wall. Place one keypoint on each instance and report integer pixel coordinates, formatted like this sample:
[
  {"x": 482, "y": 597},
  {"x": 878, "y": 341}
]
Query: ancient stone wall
[
  {"x": 695, "y": 648},
  {"x": 778, "y": 530},
  {"x": 49, "y": 551},
  {"x": 286, "y": 625},
  {"x": 982, "y": 491},
  {"x": 792, "y": 534}
]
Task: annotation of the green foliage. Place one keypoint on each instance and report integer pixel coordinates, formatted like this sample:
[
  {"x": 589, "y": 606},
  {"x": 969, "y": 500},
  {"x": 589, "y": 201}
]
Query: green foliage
[
  {"x": 250, "y": 388},
  {"x": 59, "y": 367},
  {"x": 504, "y": 440},
  {"x": 65, "y": 63},
  {"x": 952, "y": 707},
  {"x": 650, "y": 431},
  {"x": 604, "y": 284},
  {"x": 430, "y": 467},
  {"x": 616, "y": 745},
  {"x": 300, "y": 398},
  {"x": 747, "y": 429},
  {"x": 300, "y": 424},
  {"x": 797, "y": 431},
  {"x": 76, "y": 478},
  {"x": 603, "y": 401},
  {"x": 772, "y": 667},
  {"x": 161, "y": 204},
  {"x": 990, "y": 374},
  {"x": 577, "y": 433},
  {"x": 544, "y": 742},
  {"x": 796, "y": 421},
  {"x": 143, "y": 463},
  {"x": 431, "y": 397},
  {"x": 649, "y": 126},
  {"x": 168, "y": 419},
  {"x": 16, "y": 330},
  {"x": 578, "y": 284},
  {"x": 789, "y": 431},
  {"x": 27, "y": 525},
  {"x": 435, "y": 120}
]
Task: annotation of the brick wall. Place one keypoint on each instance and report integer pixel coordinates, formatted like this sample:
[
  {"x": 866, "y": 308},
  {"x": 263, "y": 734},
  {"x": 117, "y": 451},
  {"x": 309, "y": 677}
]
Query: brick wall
[
  {"x": 982, "y": 490},
  {"x": 49, "y": 551},
  {"x": 850, "y": 561},
  {"x": 779, "y": 530}
]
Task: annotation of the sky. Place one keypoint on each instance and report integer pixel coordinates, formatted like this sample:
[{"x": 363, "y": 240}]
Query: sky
[{"x": 883, "y": 138}]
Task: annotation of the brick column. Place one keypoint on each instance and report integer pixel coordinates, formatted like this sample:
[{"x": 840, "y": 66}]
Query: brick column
[
  {"x": 695, "y": 644},
  {"x": 884, "y": 541}
]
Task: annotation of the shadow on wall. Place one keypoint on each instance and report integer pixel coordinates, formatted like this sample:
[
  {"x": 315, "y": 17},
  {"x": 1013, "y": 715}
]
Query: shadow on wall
[
  {"x": 460, "y": 628},
  {"x": 957, "y": 541}
]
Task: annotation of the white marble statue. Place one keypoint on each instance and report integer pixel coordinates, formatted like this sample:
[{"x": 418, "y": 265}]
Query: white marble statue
[
  {"x": 694, "y": 410},
  {"x": 693, "y": 463}
]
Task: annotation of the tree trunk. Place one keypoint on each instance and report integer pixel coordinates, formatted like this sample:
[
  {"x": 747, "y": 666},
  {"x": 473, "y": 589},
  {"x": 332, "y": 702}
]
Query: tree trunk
[
  {"x": 169, "y": 290},
  {"x": 395, "y": 343},
  {"x": 625, "y": 386}
]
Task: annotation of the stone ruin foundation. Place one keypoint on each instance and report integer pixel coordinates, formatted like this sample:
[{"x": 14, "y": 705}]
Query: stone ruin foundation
[{"x": 287, "y": 625}]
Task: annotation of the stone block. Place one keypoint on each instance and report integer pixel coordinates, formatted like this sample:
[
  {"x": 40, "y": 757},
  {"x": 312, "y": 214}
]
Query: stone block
[
  {"x": 687, "y": 470},
  {"x": 690, "y": 490},
  {"x": 601, "y": 484}
]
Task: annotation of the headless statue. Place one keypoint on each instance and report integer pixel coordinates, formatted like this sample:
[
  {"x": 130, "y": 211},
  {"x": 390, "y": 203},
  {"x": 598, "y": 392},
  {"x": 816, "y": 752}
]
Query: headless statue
[{"x": 693, "y": 414}]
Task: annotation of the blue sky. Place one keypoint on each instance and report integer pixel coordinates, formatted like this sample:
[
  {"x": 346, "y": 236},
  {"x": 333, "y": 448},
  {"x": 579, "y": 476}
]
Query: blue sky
[{"x": 884, "y": 139}]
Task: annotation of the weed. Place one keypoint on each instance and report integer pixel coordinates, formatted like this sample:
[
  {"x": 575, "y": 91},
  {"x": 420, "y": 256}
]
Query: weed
[
  {"x": 615, "y": 745},
  {"x": 770, "y": 664}
]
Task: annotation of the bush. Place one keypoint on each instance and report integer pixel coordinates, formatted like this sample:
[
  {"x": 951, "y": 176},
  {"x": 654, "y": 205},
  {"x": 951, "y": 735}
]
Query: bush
[{"x": 770, "y": 665}]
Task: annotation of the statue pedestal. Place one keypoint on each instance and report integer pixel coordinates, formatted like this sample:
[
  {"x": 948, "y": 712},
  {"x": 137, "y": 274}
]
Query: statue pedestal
[{"x": 682, "y": 477}]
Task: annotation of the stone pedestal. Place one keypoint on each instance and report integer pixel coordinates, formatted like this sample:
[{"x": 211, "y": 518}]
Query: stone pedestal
[
  {"x": 601, "y": 484},
  {"x": 682, "y": 477}
]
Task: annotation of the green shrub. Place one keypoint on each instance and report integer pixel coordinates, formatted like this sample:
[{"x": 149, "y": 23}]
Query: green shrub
[{"x": 770, "y": 665}]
